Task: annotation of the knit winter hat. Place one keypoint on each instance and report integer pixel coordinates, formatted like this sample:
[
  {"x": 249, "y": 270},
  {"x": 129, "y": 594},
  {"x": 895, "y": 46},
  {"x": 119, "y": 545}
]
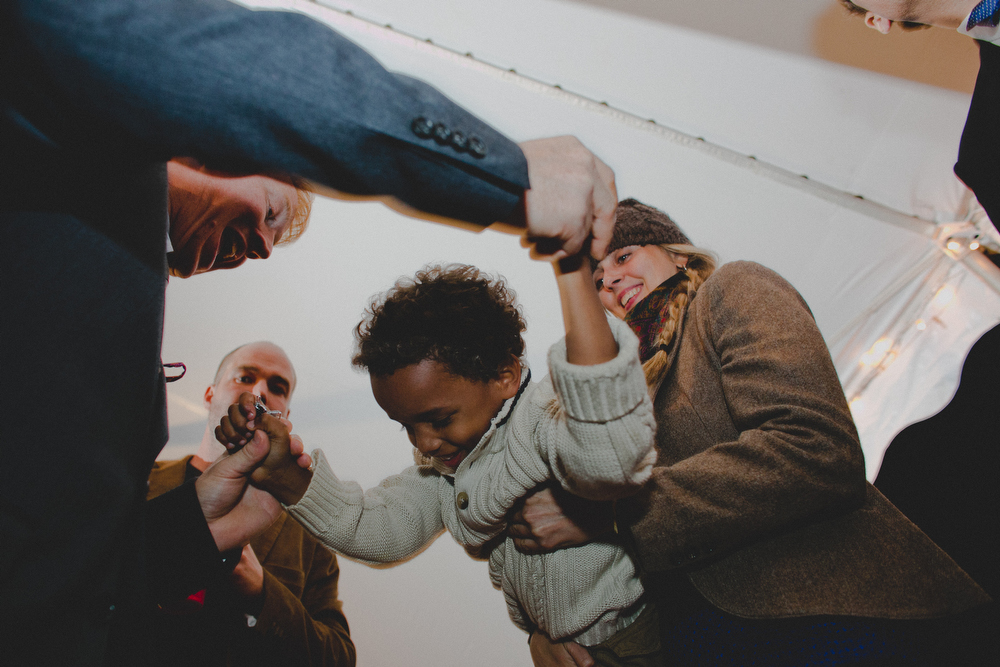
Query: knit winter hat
[{"x": 639, "y": 224}]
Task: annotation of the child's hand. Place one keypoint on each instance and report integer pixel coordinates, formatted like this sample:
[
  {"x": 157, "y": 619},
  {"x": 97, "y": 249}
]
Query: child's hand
[{"x": 284, "y": 472}]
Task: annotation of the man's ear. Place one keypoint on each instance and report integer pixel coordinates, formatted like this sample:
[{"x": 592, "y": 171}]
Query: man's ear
[
  {"x": 876, "y": 22},
  {"x": 208, "y": 396},
  {"x": 509, "y": 378}
]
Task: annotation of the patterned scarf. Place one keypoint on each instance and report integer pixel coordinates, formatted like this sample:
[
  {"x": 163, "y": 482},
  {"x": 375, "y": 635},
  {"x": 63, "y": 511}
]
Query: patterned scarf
[{"x": 646, "y": 319}]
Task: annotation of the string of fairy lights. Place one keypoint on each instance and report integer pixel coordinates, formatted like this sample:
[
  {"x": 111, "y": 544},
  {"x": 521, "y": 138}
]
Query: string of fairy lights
[{"x": 925, "y": 308}]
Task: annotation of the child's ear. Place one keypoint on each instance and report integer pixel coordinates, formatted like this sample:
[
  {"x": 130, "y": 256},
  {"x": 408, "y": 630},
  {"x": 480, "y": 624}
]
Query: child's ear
[{"x": 509, "y": 378}]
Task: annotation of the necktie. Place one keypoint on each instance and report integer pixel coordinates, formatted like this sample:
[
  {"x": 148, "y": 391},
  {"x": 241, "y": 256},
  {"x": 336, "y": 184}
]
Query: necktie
[{"x": 985, "y": 14}]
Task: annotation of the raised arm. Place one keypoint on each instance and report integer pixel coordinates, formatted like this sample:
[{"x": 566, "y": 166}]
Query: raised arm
[
  {"x": 280, "y": 93},
  {"x": 589, "y": 425},
  {"x": 589, "y": 340},
  {"x": 249, "y": 92}
]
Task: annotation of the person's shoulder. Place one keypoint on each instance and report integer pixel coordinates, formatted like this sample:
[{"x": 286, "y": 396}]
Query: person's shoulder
[
  {"x": 166, "y": 475},
  {"x": 743, "y": 285},
  {"x": 171, "y": 466},
  {"x": 742, "y": 274},
  {"x": 536, "y": 400}
]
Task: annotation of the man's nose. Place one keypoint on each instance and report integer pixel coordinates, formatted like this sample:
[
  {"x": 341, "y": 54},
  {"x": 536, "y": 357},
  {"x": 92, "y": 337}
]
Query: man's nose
[
  {"x": 261, "y": 389},
  {"x": 260, "y": 244}
]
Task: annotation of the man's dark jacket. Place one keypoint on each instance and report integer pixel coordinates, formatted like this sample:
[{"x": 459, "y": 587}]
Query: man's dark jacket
[
  {"x": 979, "y": 152},
  {"x": 95, "y": 96}
]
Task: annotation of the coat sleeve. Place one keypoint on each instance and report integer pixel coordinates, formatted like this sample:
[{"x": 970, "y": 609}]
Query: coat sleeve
[
  {"x": 979, "y": 152},
  {"x": 307, "y": 628},
  {"x": 792, "y": 455},
  {"x": 386, "y": 524},
  {"x": 246, "y": 91}
]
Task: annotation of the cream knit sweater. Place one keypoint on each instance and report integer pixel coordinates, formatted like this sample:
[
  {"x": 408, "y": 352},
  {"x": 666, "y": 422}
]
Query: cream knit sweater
[{"x": 591, "y": 428}]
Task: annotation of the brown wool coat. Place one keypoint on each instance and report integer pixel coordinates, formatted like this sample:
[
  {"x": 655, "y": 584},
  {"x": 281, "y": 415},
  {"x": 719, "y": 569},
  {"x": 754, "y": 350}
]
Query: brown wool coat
[
  {"x": 759, "y": 492},
  {"x": 300, "y": 622}
]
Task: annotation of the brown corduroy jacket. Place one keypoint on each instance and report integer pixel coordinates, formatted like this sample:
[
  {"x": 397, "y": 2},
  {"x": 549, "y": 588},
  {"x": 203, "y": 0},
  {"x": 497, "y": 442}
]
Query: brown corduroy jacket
[
  {"x": 300, "y": 622},
  {"x": 759, "y": 493}
]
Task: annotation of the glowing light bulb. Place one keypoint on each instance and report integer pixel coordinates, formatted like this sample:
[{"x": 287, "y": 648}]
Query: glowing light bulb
[
  {"x": 875, "y": 355},
  {"x": 953, "y": 245},
  {"x": 974, "y": 245},
  {"x": 944, "y": 296},
  {"x": 921, "y": 325}
]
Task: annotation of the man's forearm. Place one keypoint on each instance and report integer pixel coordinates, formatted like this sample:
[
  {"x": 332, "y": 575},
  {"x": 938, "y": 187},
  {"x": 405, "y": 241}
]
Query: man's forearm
[{"x": 283, "y": 93}]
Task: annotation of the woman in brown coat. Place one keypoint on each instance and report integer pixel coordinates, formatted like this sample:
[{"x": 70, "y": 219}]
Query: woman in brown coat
[{"x": 758, "y": 536}]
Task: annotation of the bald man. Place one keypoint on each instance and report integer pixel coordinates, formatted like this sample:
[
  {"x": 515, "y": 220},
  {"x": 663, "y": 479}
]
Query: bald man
[{"x": 279, "y": 605}]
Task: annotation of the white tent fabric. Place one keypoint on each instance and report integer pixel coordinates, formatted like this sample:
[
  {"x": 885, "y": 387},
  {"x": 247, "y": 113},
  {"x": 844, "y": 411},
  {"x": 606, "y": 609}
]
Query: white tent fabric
[{"x": 897, "y": 307}]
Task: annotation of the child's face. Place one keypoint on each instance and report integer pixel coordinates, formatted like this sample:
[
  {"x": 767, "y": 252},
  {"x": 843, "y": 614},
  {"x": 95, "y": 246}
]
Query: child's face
[{"x": 443, "y": 414}]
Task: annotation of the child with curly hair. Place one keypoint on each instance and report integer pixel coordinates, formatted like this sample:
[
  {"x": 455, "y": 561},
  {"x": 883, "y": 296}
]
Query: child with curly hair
[{"x": 445, "y": 355}]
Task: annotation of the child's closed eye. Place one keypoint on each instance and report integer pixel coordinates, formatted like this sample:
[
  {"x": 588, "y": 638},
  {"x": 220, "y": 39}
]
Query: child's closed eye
[{"x": 441, "y": 423}]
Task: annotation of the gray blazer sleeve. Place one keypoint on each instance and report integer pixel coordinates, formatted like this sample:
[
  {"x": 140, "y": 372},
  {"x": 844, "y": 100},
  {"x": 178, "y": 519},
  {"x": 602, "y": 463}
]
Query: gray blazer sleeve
[{"x": 249, "y": 91}]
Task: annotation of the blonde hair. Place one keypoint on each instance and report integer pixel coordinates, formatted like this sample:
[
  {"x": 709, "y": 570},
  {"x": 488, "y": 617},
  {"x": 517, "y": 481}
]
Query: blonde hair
[
  {"x": 700, "y": 265},
  {"x": 303, "y": 208}
]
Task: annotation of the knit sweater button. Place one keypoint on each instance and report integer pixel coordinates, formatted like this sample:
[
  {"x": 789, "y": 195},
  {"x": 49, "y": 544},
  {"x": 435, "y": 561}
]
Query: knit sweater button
[{"x": 462, "y": 500}]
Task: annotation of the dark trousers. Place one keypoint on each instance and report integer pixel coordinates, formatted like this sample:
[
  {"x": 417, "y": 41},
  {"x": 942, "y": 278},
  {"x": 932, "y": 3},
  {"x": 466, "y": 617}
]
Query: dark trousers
[{"x": 696, "y": 634}]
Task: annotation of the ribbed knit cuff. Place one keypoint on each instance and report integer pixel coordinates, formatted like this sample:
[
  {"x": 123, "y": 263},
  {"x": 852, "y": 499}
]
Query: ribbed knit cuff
[
  {"x": 317, "y": 506},
  {"x": 602, "y": 392}
]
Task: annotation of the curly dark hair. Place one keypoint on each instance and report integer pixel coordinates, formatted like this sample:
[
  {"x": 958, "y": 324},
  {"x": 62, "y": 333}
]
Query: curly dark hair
[{"x": 456, "y": 315}]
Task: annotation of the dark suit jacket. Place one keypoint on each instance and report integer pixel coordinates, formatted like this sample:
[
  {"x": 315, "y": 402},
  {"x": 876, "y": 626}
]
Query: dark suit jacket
[
  {"x": 94, "y": 96},
  {"x": 979, "y": 153},
  {"x": 299, "y": 624},
  {"x": 759, "y": 494}
]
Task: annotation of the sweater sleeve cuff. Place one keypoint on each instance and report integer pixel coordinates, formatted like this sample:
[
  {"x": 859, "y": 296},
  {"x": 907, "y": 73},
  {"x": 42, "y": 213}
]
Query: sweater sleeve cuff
[
  {"x": 315, "y": 509},
  {"x": 602, "y": 392}
]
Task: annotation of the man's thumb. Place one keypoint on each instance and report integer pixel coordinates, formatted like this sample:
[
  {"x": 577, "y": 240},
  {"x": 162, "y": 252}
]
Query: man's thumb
[{"x": 250, "y": 455}]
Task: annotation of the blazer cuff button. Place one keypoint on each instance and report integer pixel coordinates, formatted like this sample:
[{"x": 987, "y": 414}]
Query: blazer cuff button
[
  {"x": 476, "y": 147},
  {"x": 441, "y": 133},
  {"x": 459, "y": 142},
  {"x": 421, "y": 127}
]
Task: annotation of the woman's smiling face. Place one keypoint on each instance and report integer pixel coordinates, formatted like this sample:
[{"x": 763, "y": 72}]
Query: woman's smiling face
[
  {"x": 219, "y": 221},
  {"x": 628, "y": 275}
]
